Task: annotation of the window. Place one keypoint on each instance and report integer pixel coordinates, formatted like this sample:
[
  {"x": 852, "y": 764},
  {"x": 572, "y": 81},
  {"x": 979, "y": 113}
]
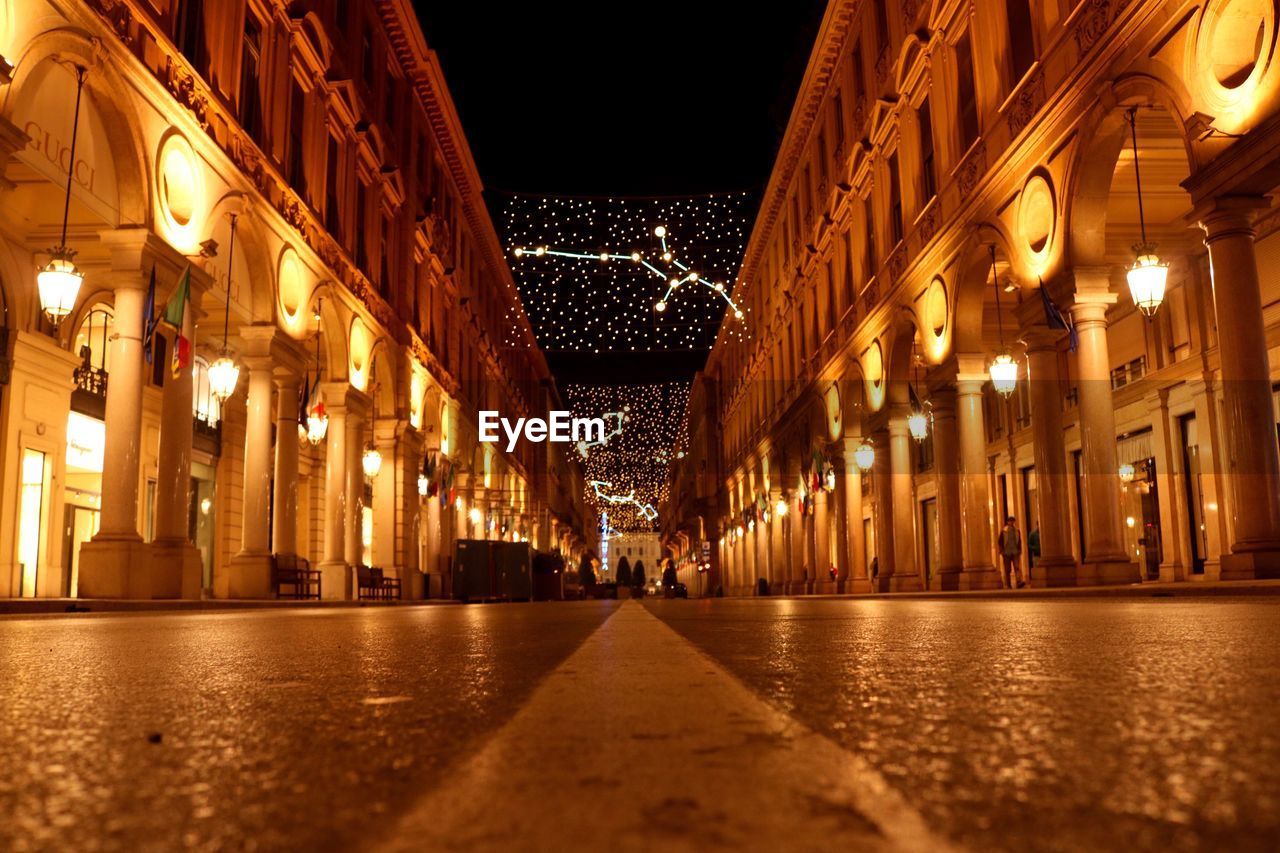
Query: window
[
  {"x": 297, "y": 127},
  {"x": 838, "y": 109},
  {"x": 389, "y": 94},
  {"x": 870, "y": 257},
  {"x": 366, "y": 57},
  {"x": 929, "y": 177},
  {"x": 188, "y": 33},
  {"x": 822, "y": 161},
  {"x": 859, "y": 81},
  {"x": 882, "y": 25},
  {"x": 966, "y": 95},
  {"x": 895, "y": 200},
  {"x": 332, "y": 219},
  {"x": 388, "y": 235},
  {"x": 1022, "y": 44},
  {"x": 250, "y": 91},
  {"x": 362, "y": 226}
]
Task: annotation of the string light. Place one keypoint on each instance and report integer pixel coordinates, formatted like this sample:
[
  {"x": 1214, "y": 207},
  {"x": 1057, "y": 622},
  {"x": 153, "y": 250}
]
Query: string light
[
  {"x": 582, "y": 304},
  {"x": 646, "y": 509},
  {"x": 636, "y": 460}
]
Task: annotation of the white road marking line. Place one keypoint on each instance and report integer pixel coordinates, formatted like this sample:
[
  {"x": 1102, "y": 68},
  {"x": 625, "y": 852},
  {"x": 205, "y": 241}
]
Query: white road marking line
[{"x": 639, "y": 741}]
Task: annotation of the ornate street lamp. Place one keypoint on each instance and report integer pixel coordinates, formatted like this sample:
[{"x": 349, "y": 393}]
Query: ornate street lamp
[
  {"x": 1127, "y": 472},
  {"x": 918, "y": 420},
  {"x": 780, "y": 508},
  {"x": 224, "y": 374},
  {"x": 58, "y": 282},
  {"x": 317, "y": 420},
  {"x": 371, "y": 461},
  {"x": 864, "y": 456},
  {"x": 1003, "y": 369},
  {"x": 1148, "y": 274}
]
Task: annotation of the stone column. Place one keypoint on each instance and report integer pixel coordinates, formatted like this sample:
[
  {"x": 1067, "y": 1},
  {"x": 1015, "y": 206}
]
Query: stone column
[
  {"x": 335, "y": 570},
  {"x": 778, "y": 541},
  {"x": 975, "y": 504},
  {"x": 175, "y": 561},
  {"x": 284, "y": 519},
  {"x": 882, "y": 513},
  {"x": 821, "y": 539},
  {"x": 1105, "y": 557},
  {"x": 357, "y": 411},
  {"x": 1253, "y": 460},
  {"x": 1056, "y": 565},
  {"x": 249, "y": 574},
  {"x": 946, "y": 472},
  {"x": 854, "y": 573},
  {"x": 907, "y": 569},
  {"x": 114, "y": 563}
]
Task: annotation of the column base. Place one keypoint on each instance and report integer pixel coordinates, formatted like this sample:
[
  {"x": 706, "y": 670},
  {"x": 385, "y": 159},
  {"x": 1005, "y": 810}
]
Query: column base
[
  {"x": 115, "y": 568},
  {"x": 336, "y": 579},
  {"x": 249, "y": 576},
  {"x": 412, "y": 584},
  {"x": 979, "y": 577},
  {"x": 175, "y": 569},
  {"x": 1109, "y": 571},
  {"x": 1050, "y": 572},
  {"x": 857, "y": 586},
  {"x": 946, "y": 580},
  {"x": 1245, "y": 566},
  {"x": 898, "y": 583}
]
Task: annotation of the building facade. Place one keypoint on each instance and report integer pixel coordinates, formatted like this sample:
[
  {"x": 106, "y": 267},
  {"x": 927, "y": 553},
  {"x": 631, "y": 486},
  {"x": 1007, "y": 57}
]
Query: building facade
[
  {"x": 967, "y": 185},
  {"x": 302, "y": 167}
]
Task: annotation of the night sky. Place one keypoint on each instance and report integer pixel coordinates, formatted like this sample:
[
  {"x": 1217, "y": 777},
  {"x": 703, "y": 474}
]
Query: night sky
[{"x": 609, "y": 99}]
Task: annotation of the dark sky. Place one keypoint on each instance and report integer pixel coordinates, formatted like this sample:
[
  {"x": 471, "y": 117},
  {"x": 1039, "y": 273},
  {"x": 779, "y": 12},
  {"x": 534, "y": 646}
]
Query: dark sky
[{"x": 620, "y": 98}]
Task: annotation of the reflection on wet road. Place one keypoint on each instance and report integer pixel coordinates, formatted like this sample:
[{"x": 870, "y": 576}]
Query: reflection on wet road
[{"x": 1053, "y": 725}]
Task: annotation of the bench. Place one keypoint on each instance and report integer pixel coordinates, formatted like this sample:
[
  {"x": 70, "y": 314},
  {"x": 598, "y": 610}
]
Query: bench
[
  {"x": 294, "y": 572},
  {"x": 372, "y": 585}
]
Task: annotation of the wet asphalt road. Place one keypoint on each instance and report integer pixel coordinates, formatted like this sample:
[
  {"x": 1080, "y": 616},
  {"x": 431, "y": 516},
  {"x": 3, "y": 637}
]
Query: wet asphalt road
[
  {"x": 1010, "y": 725},
  {"x": 1047, "y": 725},
  {"x": 302, "y": 729}
]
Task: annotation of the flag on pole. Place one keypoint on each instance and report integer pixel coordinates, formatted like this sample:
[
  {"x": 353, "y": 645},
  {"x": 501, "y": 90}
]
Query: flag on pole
[
  {"x": 175, "y": 315},
  {"x": 149, "y": 319},
  {"x": 1055, "y": 318}
]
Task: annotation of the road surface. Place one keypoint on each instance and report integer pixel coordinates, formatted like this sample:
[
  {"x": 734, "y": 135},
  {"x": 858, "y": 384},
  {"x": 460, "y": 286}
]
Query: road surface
[{"x": 1077, "y": 724}]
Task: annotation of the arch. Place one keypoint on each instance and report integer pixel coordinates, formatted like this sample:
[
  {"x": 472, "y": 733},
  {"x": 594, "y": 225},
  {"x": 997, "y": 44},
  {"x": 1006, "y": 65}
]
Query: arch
[
  {"x": 253, "y": 265},
  {"x": 382, "y": 379},
  {"x": 1104, "y": 133},
  {"x": 311, "y": 30},
  {"x": 973, "y": 286},
  {"x": 334, "y": 319},
  {"x": 105, "y": 89}
]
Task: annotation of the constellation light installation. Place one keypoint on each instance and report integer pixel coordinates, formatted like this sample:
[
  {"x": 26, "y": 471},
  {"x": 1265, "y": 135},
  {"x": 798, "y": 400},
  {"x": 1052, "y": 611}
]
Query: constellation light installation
[
  {"x": 646, "y": 510},
  {"x": 675, "y": 278}
]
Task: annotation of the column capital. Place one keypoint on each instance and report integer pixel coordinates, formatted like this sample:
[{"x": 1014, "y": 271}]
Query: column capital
[
  {"x": 340, "y": 397},
  {"x": 971, "y": 372},
  {"x": 136, "y": 250},
  {"x": 1230, "y": 214}
]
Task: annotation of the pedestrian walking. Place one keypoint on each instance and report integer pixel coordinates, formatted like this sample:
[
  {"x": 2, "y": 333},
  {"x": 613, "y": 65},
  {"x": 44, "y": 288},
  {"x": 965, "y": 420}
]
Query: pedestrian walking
[{"x": 1010, "y": 551}]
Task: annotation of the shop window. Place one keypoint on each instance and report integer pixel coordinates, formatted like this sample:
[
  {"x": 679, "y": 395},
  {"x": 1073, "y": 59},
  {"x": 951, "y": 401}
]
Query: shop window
[{"x": 31, "y": 520}]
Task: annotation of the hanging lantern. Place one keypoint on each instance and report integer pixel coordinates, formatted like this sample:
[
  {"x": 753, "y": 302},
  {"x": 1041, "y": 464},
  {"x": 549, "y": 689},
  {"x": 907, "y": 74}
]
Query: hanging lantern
[
  {"x": 59, "y": 284},
  {"x": 829, "y": 479},
  {"x": 1127, "y": 472},
  {"x": 1004, "y": 374},
  {"x": 317, "y": 424},
  {"x": 474, "y": 515},
  {"x": 223, "y": 377},
  {"x": 424, "y": 485},
  {"x": 780, "y": 508},
  {"x": 1148, "y": 274},
  {"x": 1147, "y": 279},
  {"x": 371, "y": 461},
  {"x": 918, "y": 424},
  {"x": 865, "y": 455}
]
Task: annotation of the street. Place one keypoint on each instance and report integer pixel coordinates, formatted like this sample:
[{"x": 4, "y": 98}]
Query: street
[{"x": 1075, "y": 724}]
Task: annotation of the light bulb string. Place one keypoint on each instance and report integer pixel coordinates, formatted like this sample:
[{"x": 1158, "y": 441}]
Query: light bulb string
[
  {"x": 81, "y": 72},
  {"x": 1137, "y": 172},
  {"x": 231, "y": 255}
]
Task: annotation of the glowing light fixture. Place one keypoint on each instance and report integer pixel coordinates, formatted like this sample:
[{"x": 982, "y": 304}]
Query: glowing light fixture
[
  {"x": 223, "y": 373},
  {"x": 317, "y": 424},
  {"x": 58, "y": 282},
  {"x": 1003, "y": 369},
  {"x": 424, "y": 485},
  {"x": 918, "y": 424},
  {"x": 780, "y": 508},
  {"x": 865, "y": 455},
  {"x": 474, "y": 515},
  {"x": 371, "y": 461},
  {"x": 1127, "y": 472},
  {"x": 1148, "y": 274}
]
